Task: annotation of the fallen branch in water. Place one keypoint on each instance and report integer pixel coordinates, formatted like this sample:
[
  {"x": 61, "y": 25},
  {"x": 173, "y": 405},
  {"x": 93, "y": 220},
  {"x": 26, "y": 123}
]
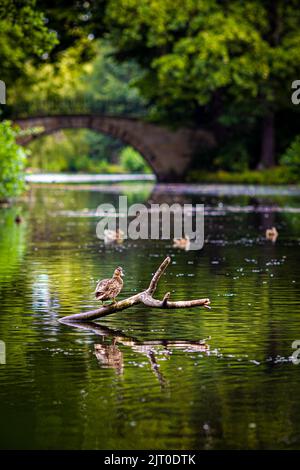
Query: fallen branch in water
[{"x": 145, "y": 297}]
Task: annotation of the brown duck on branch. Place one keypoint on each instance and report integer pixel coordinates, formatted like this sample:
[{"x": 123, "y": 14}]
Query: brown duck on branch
[
  {"x": 109, "y": 289},
  {"x": 144, "y": 297}
]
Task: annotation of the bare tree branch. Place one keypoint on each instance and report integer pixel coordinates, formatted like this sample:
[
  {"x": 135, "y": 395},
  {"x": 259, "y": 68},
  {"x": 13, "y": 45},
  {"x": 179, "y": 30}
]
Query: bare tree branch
[
  {"x": 148, "y": 300},
  {"x": 145, "y": 297},
  {"x": 154, "y": 281}
]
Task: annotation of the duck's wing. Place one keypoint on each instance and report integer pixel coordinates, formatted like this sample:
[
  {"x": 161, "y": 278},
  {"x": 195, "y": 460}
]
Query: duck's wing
[
  {"x": 102, "y": 287},
  {"x": 115, "y": 288}
]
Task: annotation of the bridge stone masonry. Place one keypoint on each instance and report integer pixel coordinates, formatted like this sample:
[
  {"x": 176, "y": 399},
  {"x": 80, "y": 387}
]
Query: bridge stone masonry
[{"x": 169, "y": 153}]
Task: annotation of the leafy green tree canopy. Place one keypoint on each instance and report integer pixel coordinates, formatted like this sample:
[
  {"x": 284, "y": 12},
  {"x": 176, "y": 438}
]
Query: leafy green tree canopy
[
  {"x": 192, "y": 49},
  {"x": 212, "y": 62},
  {"x": 23, "y": 35}
]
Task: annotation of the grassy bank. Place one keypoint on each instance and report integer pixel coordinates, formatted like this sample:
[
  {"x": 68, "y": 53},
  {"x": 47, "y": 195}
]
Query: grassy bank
[{"x": 276, "y": 175}]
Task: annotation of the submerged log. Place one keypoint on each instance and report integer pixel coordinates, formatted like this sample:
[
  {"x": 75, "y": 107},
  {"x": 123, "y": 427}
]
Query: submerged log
[{"x": 145, "y": 297}]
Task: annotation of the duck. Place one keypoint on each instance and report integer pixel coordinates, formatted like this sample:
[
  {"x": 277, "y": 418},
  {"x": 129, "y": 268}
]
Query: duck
[
  {"x": 182, "y": 243},
  {"x": 272, "y": 234},
  {"x": 18, "y": 219},
  {"x": 111, "y": 236},
  {"x": 109, "y": 289}
]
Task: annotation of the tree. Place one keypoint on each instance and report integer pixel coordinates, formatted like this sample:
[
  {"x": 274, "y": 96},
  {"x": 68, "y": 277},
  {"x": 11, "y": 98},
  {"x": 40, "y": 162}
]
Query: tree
[
  {"x": 51, "y": 82},
  {"x": 198, "y": 57},
  {"x": 12, "y": 162},
  {"x": 39, "y": 30},
  {"x": 23, "y": 35},
  {"x": 291, "y": 158},
  {"x": 132, "y": 161},
  {"x": 73, "y": 20}
]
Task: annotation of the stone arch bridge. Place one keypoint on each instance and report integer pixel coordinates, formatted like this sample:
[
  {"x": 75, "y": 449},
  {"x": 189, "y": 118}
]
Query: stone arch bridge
[{"x": 169, "y": 153}]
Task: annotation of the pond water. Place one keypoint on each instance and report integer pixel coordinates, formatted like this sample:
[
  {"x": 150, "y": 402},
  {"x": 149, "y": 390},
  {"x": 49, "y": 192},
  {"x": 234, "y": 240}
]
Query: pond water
[{"x": 147, "y": 378}]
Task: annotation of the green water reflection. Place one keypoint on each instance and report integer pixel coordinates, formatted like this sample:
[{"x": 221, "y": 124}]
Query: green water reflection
[{"x": 142, "y": 379}]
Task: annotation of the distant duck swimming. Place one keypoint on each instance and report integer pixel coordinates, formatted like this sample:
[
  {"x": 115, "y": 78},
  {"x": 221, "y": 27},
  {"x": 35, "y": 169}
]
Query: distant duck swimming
[
  {"x": 111, "y": 236},
  {"x": 18, "y": 219},
  {"x": 182, "y": 243},
  {"x": 272, "y": 234},
  {"x": 109, "y": 289}
]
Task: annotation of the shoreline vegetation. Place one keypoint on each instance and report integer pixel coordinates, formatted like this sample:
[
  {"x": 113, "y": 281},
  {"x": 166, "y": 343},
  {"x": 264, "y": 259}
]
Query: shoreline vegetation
[{"x": 279, "y": 175}]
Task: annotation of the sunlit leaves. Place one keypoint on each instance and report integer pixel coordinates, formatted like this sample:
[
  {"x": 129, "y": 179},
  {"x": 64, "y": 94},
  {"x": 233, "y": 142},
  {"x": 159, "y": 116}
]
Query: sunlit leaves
[
  {"x": 12, "y": 162},
  {"x": 291, "y": 158},
  {"x": 191, "y": 49},
  {"x": 23, "y": 35}
]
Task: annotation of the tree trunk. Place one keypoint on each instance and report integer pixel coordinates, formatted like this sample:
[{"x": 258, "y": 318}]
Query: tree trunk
[{"x": 267, "y": 158}]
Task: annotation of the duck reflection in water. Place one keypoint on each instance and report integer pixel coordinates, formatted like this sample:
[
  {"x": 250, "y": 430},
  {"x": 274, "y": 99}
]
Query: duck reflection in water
[{"x": 109, "y": 355}]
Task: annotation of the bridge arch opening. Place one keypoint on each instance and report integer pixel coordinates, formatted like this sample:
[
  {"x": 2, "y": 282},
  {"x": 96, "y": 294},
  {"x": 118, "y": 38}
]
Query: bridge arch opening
[
  {"x": 84, "y": 151},
  {"x": 168, "y": 152}
]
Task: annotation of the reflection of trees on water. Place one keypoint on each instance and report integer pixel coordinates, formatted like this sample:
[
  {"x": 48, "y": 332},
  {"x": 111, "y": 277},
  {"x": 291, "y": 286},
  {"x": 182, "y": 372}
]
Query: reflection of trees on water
[
  {"x": 264, "y": 219},
  {"x": 12, "y": 242},
  {"x": 160, "y": 195},
  {"x": 275, "y": 212},
  {"x": 60, "y": 278}
]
